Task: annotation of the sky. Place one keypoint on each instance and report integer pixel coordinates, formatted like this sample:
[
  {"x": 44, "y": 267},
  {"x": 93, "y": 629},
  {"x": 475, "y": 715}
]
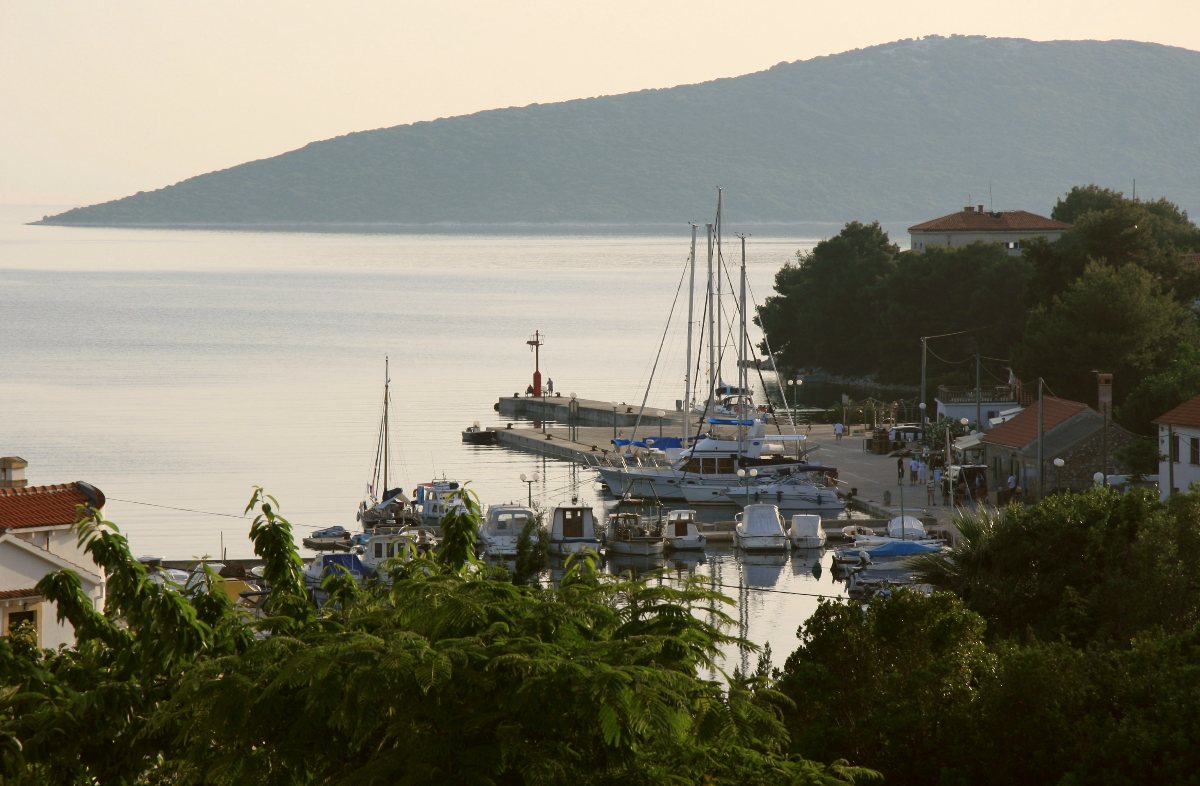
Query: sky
[{"x": 101, "y": 100}]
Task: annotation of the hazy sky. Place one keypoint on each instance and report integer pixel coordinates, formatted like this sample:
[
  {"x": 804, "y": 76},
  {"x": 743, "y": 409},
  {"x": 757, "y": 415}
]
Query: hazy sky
[{"x": 102, "y": 99}]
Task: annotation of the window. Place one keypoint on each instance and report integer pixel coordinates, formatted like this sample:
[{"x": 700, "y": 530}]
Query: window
[
  {"x": 572, "y": 523},
  {"x": 1195, "y": 450},
  {"x": 19, "y": 618},
  {"x": 1174, "y": 449}
]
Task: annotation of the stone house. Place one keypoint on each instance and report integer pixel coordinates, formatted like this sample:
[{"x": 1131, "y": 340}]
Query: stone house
[
  {"x": 1009, "y": 228},
  {"x": 1179, "y": 448},
  {"x": 37, "y": 537},
  {"x": 1085, "y": 440}
]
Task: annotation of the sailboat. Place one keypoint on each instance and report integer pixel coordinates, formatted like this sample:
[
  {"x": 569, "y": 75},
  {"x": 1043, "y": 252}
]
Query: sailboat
[
  {"x": 384, "y": 507},
  {"x": 712, "y": 462}
]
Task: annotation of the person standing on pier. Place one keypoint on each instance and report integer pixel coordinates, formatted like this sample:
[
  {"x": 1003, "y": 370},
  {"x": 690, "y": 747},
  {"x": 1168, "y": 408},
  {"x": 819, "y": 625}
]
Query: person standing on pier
[
  {"x": 550, "y": 386},
  {"x": 900, "y": 471},
  {"x": 838, "y": 428}
]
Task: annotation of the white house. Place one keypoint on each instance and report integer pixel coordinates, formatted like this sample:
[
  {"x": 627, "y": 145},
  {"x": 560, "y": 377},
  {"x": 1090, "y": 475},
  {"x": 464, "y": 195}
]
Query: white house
[
  {"x": 1179, "y": 448},
  {"x": 1009, "y": 228},
  {"x": 37, "y": 538}
]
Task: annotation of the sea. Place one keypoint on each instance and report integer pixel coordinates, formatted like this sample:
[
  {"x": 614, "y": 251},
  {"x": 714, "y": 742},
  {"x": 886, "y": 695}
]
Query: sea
[{"x": 178, "y": 369}]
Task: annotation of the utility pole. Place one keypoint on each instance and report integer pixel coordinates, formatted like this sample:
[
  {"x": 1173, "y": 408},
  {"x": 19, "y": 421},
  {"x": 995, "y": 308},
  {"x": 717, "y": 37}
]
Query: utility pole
[
  {"x": 1041, "y": 434},
  {"x": 978, "y": 397}
]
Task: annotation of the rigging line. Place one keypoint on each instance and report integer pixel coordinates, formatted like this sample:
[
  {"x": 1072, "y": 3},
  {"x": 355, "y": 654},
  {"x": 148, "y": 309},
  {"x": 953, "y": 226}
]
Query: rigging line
[
  {"x": 637, "y": 423},
  {"x": 172, "y": 507},
  {"x": 968, "y": 358},
  {"x": 957, "y": 333}
]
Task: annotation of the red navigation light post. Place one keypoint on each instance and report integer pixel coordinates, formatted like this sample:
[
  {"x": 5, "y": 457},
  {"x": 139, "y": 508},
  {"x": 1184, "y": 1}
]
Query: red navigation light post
[{"x": 534, "y": 343}]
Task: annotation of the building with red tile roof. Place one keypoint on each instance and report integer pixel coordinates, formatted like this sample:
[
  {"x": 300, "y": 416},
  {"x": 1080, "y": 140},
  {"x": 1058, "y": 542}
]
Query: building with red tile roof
[
  {"x": 1009, "y": 228},
  {"x": 1179, "y": 448},
  {"x": 37, "y": 537},
  {"x": 1085, "y": 440}
]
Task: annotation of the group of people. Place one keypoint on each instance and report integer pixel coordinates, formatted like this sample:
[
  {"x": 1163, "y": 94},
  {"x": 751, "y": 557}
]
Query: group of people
[{"x": 923, "y": 472}]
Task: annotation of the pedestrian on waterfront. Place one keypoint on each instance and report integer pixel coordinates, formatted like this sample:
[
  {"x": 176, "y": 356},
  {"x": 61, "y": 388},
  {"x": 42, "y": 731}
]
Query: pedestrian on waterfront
[
  {"x": 838, "y": 428},
  {"x": 923, "y": 471},
  {"x": 550, "y": 386},
  {"x": 900, "y": 471},
  {"x": 929, "y": 492},
  {"x": 914, "y": 466}
]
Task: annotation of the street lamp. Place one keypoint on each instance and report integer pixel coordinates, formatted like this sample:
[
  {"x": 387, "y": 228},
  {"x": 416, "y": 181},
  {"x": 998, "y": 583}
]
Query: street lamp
[
  {"x": 1099, "y": 478},
  {"x": 662, "y": 413},
  {"x": 573, "y": 410},
  {"x": 529, "y": 484},
  {"x": 742, "y": 475},
  {"x": 614, "y": 407},
  {"x": 921, "y": 407},
  {"x": 1058, "y": 465}
]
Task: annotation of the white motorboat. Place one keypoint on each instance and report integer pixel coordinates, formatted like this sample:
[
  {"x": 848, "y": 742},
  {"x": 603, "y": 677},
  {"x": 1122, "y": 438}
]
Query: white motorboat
[
  {"x": 680, "y": 533},
  {"x": 900, "y": 528},
  {"x": 328, "y": 564},
  {"x": 801, "y": 492},
  {"x": 394, "y": 543},
  {"x": 806, "y": 531},
  {"x": 433, "y": 500},
  {"x": 573, "y": 529},
  {"x": 628, "y": 533},
  {"x": 760, "y": 528},
  {"x": 501, "y": 531}
]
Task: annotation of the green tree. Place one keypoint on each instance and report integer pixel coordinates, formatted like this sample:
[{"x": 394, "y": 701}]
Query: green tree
[
  {"x": 1156, "y": 394},
  {"x": 820, "y": 315},
  {"x": 890, "y": 685},
  {"x": 1111, "y": 319}
]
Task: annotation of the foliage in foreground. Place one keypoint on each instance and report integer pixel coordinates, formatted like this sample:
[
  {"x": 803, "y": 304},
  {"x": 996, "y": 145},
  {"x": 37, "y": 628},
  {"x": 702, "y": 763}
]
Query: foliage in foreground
[{"x": 442, "y": 676}]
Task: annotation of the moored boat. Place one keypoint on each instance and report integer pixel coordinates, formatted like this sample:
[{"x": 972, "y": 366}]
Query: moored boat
[
  {"x": 629, "y": 533},
  {"x": 806, "y": 531},
  {"x": 573, "y": 529},
  {"x": 500, "y": 533},
  {"x": 760, "y": 528},
  {"x": 681, "y": 533},
  {"x": 335, "y": 538}
]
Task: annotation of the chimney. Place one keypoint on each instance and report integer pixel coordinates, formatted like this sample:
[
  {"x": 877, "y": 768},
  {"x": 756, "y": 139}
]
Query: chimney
[
  {"x": 968, "y": 209},
  {"x": 1104, "y": 393},
  {"x": 979, "y": 209},
  {"x": 12, "y": 472}
]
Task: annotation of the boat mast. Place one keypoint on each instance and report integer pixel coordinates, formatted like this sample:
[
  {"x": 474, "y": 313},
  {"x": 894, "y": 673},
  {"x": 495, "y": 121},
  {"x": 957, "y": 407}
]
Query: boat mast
[
  {"x": 687, "y": 371},
  {"x": 741, "y": 356},
  {"x": 718, "y": 310},
  {"x": 712, "y": 356},
  {"x": 387, "y": 448}
]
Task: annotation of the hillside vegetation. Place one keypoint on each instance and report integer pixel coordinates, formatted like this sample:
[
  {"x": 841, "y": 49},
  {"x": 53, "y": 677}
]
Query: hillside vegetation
[{"x": 902, "y": 131}]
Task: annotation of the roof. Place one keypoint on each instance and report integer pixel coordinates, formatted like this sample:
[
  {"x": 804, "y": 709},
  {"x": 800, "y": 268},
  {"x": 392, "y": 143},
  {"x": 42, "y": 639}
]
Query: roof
[
  {"x": 16, "y": 594},
  {"x": 1186, "y": 414},
  {"x": 976, "y": 220},
  {"x": 46, "y": 506},
  {"x": 1022, "y": 428}
]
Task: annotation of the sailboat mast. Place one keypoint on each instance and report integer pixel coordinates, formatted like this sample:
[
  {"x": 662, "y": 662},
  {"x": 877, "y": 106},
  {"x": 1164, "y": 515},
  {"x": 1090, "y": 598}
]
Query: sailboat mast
[
  {"x": 687, "y": 371},
  {"x": 718, "y": 311},
  {"x": 387, "y": 448},
  {"x": 712, "y": 347},
  {"x": 742, "y": 375}
]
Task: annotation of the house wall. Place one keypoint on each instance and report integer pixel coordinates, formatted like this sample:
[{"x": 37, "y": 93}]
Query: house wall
[
  {"x": 988, "y": 410},
  {"x": 21, "y": 570},
  {"x": 50, "y": 632},
  {"x": 919, "y": 241},
  {"x": 1177, "y": 471}
]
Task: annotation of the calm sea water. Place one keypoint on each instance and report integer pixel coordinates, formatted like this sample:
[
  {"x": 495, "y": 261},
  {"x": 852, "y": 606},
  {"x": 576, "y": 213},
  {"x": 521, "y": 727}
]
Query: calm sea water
[{"x": 176, "y": 369}]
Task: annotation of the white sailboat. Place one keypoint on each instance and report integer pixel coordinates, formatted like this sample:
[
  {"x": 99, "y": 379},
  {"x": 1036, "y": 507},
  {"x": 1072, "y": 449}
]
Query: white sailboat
[{"x": 383, "y": 506}]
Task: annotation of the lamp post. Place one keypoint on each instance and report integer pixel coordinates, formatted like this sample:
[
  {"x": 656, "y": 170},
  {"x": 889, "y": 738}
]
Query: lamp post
[
  {"x": 921, "y": 407},
  {"x": 967, "y": 491},
  {"x": 742, "y": 475},
  {"x": 614, "y": 407},
  {"x": 573, "y": 411},
  {"x": 1098, "y": 478},
  {"x": 529, "y": 485},
  {"x": 1058, "y": 465},
  {"x": 662, "y": 413}
]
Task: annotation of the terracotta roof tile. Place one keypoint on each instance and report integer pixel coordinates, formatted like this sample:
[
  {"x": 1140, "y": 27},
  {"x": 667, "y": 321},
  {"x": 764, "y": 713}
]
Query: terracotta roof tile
[
  {"x": 1186, "y": 414},
  {"x": 46, "y": 506},
  {"x": 975, "y": 221},
  {"x": 19, "y": 593},
  {"x": 1022, "y": 429}
]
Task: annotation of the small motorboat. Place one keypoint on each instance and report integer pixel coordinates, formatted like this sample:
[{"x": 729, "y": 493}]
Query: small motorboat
[
  {"x": 628, "y": 533},
  {"x": 475, "y": 434},
  {"x": 681, "y": 532},
  {"x": 500, "y": 534},
  {"x": 806, "y": 531},
  {"x": 760, "y": 528},
  {"x": 573, "y": 529},
  {"x": 335, "y": 538},
  {"x": 329, "y": 564}
]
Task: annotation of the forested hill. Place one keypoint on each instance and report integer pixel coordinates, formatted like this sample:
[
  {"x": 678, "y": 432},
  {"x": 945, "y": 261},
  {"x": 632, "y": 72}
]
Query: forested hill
[{"x": 899, "y": 132}]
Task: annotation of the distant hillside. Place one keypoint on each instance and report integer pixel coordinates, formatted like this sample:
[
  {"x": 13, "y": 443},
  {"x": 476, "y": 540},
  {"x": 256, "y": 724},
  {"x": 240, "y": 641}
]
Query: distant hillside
[{"x": 898, "y": 132}]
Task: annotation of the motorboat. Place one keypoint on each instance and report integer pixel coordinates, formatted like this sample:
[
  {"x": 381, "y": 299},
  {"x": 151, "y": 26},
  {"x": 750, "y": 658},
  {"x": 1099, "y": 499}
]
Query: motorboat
[
  {"x": 799, "y": 492},
  {"x": 760, "y": 528},
  {"x": 573, "y": 529},
  {"x": 901, "y": 528},
  {"x": 329, "y": 564},
  {"x": 628, "y": 533},
  {"x": 681, "y": 533},
  {"x": 336, "y": 538},
  {"x": 475, "y": 434},
  {"x": 806, "y": 531},
  {"x": 500, "y": 533},
  {"x": 395, "y": 543},
  {"x": 433, "y": 500}
]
